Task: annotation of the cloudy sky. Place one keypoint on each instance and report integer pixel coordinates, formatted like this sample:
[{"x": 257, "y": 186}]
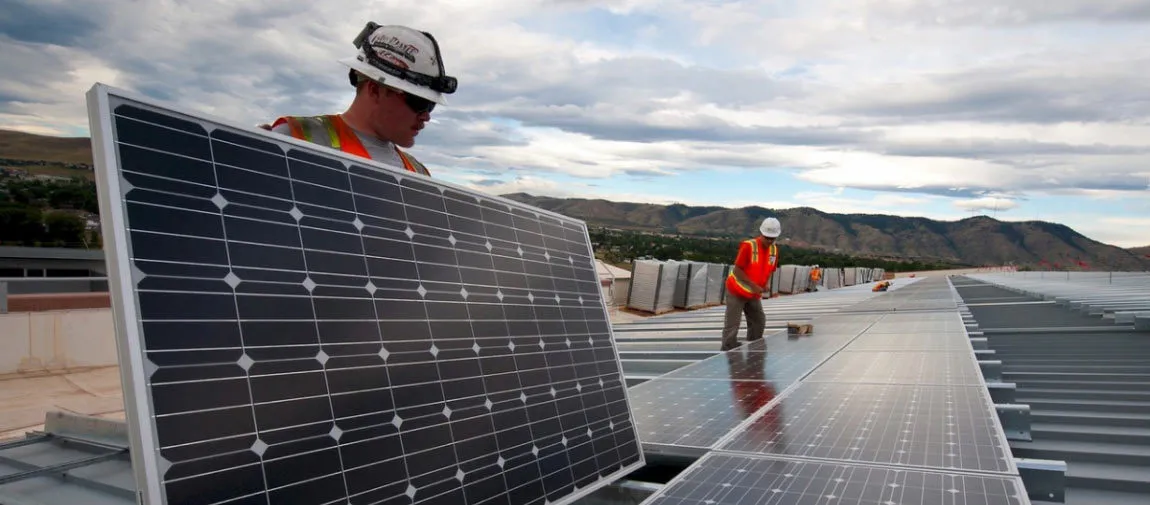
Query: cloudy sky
[{"x": 1021, "y": 109}]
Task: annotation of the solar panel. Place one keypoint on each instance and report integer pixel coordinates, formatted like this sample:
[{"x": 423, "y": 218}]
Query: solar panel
[
  {"x": 779, "y": 368},
  {"x": 895, "y": 411},
  {"x": 908, "y": 425},
  {"x": 920, "y": 326},
  {"x": 695, "y": 412},
  {"x": 944, "y": 316},
  {"x": 296, "y": 325},
  {"x": 732, "y": 479},
  {"x": 822, "y": 327},
  {"x": 910, "y": 342},
  {"x": 900, "y": 367}
]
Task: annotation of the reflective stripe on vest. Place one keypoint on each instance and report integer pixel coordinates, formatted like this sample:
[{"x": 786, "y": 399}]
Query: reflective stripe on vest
[
  {"x": 332, "y": 134},
  {"x": 406, "y": 161},
  {"x": 341, "y": 137},
  {"x": 742, "y": 289}
]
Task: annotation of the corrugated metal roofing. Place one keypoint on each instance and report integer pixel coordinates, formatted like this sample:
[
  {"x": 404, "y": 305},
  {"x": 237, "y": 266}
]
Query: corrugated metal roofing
[
  {"x": 75, "y": 460},
  {"x": 1085, "y": 377}
]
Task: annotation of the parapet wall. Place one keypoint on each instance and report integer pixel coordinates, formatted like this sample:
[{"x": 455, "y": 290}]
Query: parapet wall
[
  {"x": 56, "y": 340},
  {"x": 58, "y": 301}
]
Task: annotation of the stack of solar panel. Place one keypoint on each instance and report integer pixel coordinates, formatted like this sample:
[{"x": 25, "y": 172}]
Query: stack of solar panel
[
  {"x": 787, "y": 275},
  {"x": 716, "y": 274},
  {"x": 665, "y": 294},
  {"x": 832, "y": 278},
  {"x": 802, "y": 279},
  {"x": 850, "y": 276},
  {"x": 682, "y": 280},
  {"x": 643, "y": 293},
  {"x": 690, "y": 285}
]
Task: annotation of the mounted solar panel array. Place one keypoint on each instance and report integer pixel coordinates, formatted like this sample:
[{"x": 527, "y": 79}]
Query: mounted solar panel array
[
  {"x": 300, "y": 326},
  {"x": 876, "y": 406},
  {"x": 672, "y": 421},
  {"x": 730, "y": 479}
]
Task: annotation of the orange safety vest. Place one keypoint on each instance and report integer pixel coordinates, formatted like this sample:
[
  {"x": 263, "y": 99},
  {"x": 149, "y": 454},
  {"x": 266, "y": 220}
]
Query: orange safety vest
[
  {"x": 341, "y": 137},
  {"x": 759, "y": 270}
]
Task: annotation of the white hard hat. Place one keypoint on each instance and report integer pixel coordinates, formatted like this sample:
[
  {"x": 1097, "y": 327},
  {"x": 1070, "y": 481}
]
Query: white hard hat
[
  {"x": 771, "y": 227},
  {"x": 402, "y": 58}
]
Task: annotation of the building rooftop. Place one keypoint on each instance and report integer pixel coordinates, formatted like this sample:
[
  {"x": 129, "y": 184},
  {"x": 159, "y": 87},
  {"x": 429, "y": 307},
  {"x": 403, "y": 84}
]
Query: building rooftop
[
  {"x": 56, "y": 253},
  {"x": 1084, "y": 374},
  {"x": 1078, "y": 372}
]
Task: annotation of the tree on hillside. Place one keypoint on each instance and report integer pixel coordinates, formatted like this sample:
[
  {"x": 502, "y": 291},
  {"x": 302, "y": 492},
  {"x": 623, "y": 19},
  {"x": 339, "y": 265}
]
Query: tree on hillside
[
  {"x": 20, "y": 225},
  {"x": 44, "y": 213},
  {"x": 62, "y": 229}
]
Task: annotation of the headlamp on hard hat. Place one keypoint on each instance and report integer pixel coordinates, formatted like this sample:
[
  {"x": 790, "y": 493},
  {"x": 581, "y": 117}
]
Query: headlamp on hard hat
[{"x": 442, "y": 83}]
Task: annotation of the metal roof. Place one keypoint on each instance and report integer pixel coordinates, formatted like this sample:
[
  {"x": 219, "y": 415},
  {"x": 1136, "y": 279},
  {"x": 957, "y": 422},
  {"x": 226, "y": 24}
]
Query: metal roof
[
  {"x": 1083, "y": 370},
  {"x": 78, "y": 459},
  {"x": 75, "y": 459}
]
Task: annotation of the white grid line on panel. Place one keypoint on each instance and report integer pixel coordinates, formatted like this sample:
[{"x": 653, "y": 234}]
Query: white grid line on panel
[{"x": 525, "y": 253}]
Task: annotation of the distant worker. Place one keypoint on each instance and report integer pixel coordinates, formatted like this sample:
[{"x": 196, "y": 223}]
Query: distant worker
[
  {"x": 816, "y": 276},
  {"x": 749, "y": 278},
  {"x": 399, "y": 77}
]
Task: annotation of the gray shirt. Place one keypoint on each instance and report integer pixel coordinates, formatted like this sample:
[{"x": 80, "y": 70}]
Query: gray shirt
[{"x": 380, "y": 150}]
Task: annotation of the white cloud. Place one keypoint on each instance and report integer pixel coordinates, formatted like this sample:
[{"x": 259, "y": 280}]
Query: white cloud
[
  {"x": 861, "y": 169},
  {"x": 540, "y": 186},
  {"x": 991, "y": 12},
  {"x": 1006, "y": 101},
  {"x": 1122, "y": 231},
  {"x": 886, "y": 203},
  {"x": 988, "y": 203}
]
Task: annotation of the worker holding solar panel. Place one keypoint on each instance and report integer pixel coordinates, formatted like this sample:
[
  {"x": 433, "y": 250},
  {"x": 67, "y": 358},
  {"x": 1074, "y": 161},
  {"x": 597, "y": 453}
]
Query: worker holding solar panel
[
  {"x": 399, "y": 78},
  {"x": 755, "y": 262}
]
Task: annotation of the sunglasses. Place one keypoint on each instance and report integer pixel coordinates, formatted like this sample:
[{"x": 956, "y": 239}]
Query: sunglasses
[{"x": 418, "y": 104}]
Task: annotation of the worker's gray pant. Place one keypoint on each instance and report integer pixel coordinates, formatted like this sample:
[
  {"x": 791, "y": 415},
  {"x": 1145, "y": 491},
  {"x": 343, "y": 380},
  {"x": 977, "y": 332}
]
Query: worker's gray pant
[{"x": 737, "y": 306}]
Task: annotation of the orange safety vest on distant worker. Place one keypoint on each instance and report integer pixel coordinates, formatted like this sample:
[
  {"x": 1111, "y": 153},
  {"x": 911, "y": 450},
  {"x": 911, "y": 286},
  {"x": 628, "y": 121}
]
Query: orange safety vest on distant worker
[
  {"x": 816, "y": 274},
  {"x": 757, "y": 263},
  {"x": 339, "y": 136}
]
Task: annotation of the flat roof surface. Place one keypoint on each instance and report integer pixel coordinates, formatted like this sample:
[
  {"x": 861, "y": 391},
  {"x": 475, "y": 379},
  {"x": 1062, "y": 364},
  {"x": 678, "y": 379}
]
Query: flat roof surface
[{"x": 25, "y": 399}]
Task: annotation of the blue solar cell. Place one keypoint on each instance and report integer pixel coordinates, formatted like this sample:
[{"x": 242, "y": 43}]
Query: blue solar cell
[{"x": 301, "y": 326}]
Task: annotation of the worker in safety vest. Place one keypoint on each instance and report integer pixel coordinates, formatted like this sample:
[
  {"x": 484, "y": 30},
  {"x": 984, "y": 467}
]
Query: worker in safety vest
[
  {"x": 398, "y": 77},
  {"x": 816, "y": 276},
  {"x": 749, "y": 278}
]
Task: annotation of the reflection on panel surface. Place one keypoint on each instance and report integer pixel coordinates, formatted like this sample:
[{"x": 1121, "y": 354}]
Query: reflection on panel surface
[
  {"x": 898, "y": 367},
  {"x": 910, "y": 342},
  {"x": 926, "y": 426},
  {"x": 730, "y": 479},
  {"x": 695, "y": 412},
  {"x": 781, "y": 369}
]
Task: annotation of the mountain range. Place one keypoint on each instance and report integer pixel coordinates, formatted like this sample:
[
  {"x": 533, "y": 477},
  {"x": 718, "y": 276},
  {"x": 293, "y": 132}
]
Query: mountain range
[
  {"x": 975, "y": 241},
  {"x": 19, "y": 145}
]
